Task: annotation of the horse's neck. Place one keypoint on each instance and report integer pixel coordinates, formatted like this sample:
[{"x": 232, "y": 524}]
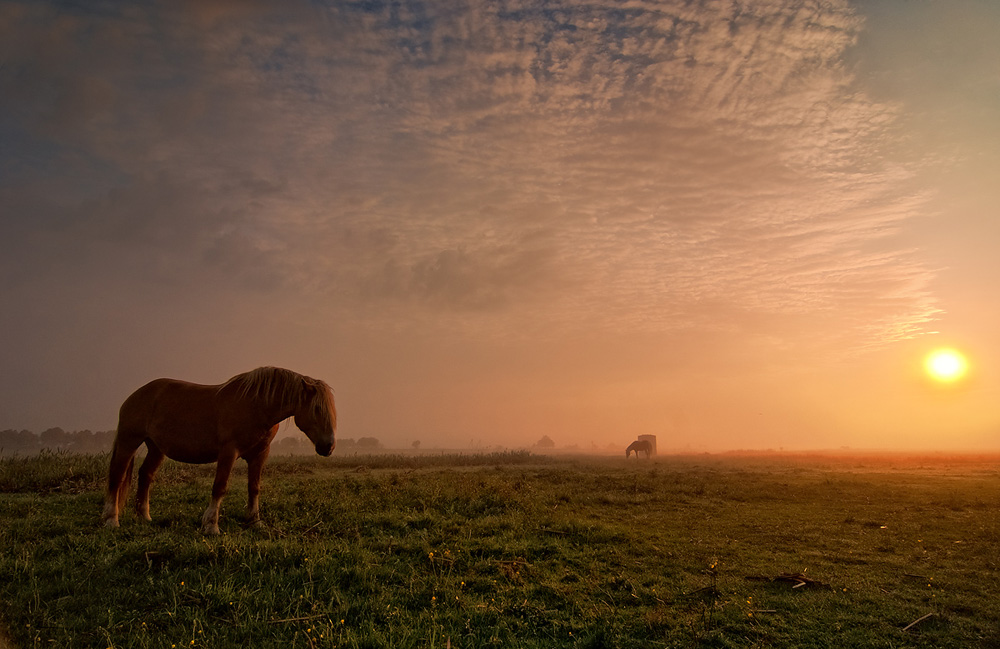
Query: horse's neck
[
  {"x": 268, "y": 409},
  {"x": 277, "y": 411}
]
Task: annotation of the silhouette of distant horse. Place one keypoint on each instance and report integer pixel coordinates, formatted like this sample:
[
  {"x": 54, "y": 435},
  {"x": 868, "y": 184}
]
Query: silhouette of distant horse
[
  {"x": 640, "y": 445},
  {"x": 200, "y": 424}
]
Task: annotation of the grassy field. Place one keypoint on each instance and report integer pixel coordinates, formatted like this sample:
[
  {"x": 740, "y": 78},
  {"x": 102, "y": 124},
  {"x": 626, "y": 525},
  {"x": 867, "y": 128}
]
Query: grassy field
[{"x": 512, "y": 550}]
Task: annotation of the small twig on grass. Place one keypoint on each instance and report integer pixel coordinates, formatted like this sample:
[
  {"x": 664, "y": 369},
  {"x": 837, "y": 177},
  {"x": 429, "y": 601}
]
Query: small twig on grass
[
  {"x": 796, "y": 579},
  {"x": 295, "y": 619},
  {"x": 706, "y": 592},
  {"x": 310, "y": 529},
  {"x": 917, "y": 621}
]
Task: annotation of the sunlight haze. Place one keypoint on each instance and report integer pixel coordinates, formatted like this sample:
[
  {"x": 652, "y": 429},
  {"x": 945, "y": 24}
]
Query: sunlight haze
[{"x": 729, "y": 225}]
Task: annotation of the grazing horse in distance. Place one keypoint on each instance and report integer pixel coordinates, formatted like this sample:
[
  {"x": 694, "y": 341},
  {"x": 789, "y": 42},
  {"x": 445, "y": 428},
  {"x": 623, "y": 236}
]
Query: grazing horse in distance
[
  {"x": 200, "y": 424},
  {"x": 640, "y": 445}
]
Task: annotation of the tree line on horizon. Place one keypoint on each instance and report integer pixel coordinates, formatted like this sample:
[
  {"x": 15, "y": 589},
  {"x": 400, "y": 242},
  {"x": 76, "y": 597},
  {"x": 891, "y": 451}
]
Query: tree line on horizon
[{"x": 26, "y": 442}]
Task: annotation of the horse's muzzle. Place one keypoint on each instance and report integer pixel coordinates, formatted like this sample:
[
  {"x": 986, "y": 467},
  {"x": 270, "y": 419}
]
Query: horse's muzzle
[{"x": 324, "y": 449}]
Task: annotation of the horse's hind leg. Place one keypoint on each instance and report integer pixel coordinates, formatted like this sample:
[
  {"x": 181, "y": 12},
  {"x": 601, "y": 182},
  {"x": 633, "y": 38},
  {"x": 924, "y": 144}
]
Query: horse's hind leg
[
  {"x": 154, "y": 458},
  {"x": 126, "y": 482},
  {"x": 120, "y": 467}
]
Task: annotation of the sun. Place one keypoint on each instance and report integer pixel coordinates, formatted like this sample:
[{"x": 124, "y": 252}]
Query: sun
[{"x": 946, "y": 365}]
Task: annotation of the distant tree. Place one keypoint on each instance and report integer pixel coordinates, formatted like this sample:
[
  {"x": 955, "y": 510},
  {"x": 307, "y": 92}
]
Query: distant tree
[
  {"x": 12, "y": 441},
  {"x": 545, "y": 442},
  {"x": 29, "y": 442},
  {"x": 416, "y": 445},
  {"x": 369, "y": 442},
  {"x": 55, "y": 438}
]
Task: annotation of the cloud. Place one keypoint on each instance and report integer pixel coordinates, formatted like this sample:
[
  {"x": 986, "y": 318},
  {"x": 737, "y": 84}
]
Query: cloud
[{"x": 590, "y": 166}]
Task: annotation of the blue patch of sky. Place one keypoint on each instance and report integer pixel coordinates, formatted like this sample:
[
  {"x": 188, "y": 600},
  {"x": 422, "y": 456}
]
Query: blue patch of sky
[
  {"x": 365, "y": 6},
  {"x": 106, "y": 8},
  {"x": 68, "y": 174},
  {"x": 285, "y": 65},
  {"x": 418, "y": 49}
]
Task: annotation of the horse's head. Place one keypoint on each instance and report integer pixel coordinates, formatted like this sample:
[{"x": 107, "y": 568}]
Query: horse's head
[{"x": 317, "y": 416}]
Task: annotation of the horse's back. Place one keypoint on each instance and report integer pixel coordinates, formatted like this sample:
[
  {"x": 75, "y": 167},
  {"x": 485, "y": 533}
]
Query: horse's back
[
  {"x": 169, "y": 411},
  {"x": 159, "y": 395}
]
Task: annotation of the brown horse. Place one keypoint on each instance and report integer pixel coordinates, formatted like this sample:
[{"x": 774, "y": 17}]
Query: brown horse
[
  {"x": 640, "y": 445},
  {"x": 200, "y": 424}
]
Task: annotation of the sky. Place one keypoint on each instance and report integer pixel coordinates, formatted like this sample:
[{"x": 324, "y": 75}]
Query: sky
[{"x": 732, "y": 225}]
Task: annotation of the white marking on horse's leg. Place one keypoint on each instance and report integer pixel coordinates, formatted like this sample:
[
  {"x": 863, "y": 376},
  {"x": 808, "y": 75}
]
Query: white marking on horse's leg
[
  {"x": 253, "y": 512},
  {"x": 110, "y": 515},
  {"x": 210, "y": 519}
]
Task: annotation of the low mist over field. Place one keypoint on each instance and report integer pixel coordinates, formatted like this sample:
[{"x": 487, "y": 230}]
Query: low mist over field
[
  {"x": 513, "y": 550},
  {"x": 729, "y": 225}
]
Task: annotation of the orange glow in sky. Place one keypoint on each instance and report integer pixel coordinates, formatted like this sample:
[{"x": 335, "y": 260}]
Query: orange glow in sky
[{"x": 734, "y": 225}]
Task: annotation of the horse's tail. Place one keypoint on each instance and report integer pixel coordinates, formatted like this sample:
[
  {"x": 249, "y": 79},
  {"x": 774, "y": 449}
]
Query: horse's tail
[{"x": 126, "y": 482}]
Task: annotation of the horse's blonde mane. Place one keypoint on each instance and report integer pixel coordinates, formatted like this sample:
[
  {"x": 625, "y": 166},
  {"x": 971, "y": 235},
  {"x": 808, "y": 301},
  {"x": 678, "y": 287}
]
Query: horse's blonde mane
[{"x": 278, "y": 385}]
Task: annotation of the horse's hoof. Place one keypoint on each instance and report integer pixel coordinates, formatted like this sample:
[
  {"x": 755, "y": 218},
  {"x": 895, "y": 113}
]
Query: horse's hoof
[
  {"x": 111, "y": 522},
  {"x": 211, "y": 530}
]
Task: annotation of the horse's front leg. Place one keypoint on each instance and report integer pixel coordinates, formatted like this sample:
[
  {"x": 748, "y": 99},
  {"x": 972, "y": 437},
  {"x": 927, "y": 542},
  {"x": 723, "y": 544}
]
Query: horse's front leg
[
  {"x": 255, "y": 466},
  {"x": 210, "y": 519}
]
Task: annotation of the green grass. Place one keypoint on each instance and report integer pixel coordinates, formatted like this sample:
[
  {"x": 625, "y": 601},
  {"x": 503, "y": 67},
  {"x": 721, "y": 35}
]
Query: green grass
[{"x": 510, "y": 550}]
